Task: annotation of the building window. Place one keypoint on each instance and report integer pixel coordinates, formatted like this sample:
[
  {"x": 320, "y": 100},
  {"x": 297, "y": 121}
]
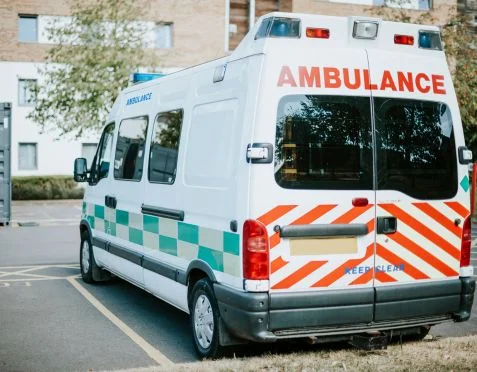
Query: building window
[
  {"x": 27, "y": 156},
  {"x": 88, "y": 150},
  {"x": 28, "y": 28},
  {"x": 163, "y": 35},
  {"x": 26, "y": 92}
]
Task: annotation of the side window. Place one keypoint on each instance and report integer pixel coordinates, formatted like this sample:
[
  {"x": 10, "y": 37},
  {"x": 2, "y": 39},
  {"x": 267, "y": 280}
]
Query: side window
[
  {"x": 100, "y": 166},
  {"x": 165, "y": 146},
  {"x": 129, "y": 157}
]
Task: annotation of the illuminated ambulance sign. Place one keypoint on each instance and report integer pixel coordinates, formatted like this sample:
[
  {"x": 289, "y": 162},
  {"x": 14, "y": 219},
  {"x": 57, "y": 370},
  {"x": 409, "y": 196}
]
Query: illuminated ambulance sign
[{"x": 354, "y": 78}]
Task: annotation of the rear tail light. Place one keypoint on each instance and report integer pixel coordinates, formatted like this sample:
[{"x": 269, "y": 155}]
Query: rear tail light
[
  {"x": 404, "y": 39},
  {"x": 255, "y": 251},
  {"x": 466, "y": 242},
  {"x": 318, "y": 33}
]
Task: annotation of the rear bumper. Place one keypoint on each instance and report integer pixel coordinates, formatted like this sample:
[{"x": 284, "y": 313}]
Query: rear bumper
[{"x": 265, "y": 317}]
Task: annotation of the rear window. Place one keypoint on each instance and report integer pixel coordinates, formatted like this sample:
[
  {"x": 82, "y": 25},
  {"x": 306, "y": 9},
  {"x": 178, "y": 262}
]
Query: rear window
[
  {"x": 416, "y": 148},
  {"x": 324, "y": 142}
]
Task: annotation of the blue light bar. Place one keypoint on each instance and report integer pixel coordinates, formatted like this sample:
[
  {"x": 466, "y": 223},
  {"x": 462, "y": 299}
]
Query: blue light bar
[
  {"x": 279, "y": 27},
  {"x": 430, "y": 40},
  {"x": 140, "y": 77}
]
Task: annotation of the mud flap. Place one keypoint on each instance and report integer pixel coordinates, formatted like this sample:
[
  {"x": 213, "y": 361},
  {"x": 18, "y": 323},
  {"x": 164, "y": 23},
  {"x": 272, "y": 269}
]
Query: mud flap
[
  {"x": 226, "y": 338},
  {"x": 100, "y": 275}
]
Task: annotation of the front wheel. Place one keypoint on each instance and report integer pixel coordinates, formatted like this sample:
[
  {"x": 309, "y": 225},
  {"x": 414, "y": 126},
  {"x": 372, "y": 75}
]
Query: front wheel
[
  {"x": 86, "y": 258},
  {"x": 204, "y": 318}
]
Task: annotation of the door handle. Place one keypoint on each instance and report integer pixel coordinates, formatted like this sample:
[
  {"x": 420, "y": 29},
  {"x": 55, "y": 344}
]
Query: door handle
[
  {"x": 386, "y": 225},
  {"x": 110, "y": 201}
]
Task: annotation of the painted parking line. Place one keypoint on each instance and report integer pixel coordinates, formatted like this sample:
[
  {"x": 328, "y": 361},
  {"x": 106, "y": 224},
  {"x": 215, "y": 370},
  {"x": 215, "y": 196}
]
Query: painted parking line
[
  {"x": 26, "y": 273},
  {"x": 150, "y": 350}
]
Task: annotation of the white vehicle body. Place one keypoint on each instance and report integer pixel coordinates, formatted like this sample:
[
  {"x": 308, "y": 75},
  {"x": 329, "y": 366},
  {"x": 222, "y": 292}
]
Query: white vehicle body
[{"x": 345, "y": 155}]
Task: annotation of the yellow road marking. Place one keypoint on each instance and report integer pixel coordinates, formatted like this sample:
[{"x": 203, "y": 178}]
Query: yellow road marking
[
  {"x": 22, "y": 272},
  {"x": 68, "y": 266},
  {"x": 33, "y": 279},
  {"x": 150, "y": 350}
]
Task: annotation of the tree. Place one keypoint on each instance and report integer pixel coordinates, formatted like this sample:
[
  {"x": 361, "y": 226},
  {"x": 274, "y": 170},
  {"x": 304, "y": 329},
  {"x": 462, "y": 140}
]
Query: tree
[
  {"x": 94, "y": 54},
  {"x": 460, "y": 46},
  {"x": 461, "y": 51}
]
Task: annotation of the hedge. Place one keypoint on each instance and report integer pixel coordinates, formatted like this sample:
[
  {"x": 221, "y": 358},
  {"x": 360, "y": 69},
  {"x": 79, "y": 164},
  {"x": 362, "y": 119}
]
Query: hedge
[{"x": 45, "y": 188}]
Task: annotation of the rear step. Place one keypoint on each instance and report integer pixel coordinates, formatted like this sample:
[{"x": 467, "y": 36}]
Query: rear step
[{"x": 370, "y": 341}]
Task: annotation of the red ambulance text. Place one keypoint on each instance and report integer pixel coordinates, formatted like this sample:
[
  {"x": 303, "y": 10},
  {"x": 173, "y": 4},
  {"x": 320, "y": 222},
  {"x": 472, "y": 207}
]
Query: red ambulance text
[{"x": 332, "y": 77}]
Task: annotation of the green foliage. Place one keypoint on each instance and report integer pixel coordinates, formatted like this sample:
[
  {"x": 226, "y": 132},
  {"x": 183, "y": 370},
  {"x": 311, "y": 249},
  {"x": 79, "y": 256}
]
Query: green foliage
[
  {"x": 45, "y": 188},
  {"x": 461, "y": 51},
  {"x": 90, "y": 63}
]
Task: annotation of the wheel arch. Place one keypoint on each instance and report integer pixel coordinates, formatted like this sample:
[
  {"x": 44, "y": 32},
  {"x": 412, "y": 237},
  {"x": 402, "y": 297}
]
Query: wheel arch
[
  {"x": 197, "y": 270},
  {"x": 84, "y": 226}
]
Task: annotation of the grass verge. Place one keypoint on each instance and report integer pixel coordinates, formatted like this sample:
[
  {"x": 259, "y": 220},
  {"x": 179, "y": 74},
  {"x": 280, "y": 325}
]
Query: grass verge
[{"x": 432, "y": 354}]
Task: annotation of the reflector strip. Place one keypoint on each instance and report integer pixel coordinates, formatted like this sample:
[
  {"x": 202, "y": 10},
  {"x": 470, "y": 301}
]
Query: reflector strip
[
  {"x": 384, "y": 278},
  {"x": 277, "y": 264},
  {"x": 363, "y": 279},
  {"x": 421, "y": 229},
  {"x": 339, "y": 271},
  {"x": 352, "y": 214},
  {"x": 274, "y": 240},
  {"x": 395, "y": 260},
  {"x": 313, "y": 215},
  {"x": 423, "y": 254},
  {"x": 275, "y": 214},
  {"x": 459, "y": 208},
  {"x": 300, "y": 274},
  {"x": 439, "y": 217}
]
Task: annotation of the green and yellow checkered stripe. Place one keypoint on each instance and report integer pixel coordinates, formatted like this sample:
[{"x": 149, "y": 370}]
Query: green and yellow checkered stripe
[{"x": 220, "y": 249}]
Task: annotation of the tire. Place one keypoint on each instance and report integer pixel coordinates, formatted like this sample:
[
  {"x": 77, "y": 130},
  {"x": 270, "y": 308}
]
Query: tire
[
  {"x": 86, "y": 258},
  {"x": 204, "y": 320}
]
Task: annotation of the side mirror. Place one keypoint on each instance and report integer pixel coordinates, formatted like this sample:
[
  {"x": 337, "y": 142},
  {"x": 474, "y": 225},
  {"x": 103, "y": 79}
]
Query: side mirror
[{"x": 80, "y": 173}]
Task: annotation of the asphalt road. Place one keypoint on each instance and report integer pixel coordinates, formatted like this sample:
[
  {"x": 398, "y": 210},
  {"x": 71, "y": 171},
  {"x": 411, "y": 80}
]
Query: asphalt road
[{"x": 48, "y": 322}]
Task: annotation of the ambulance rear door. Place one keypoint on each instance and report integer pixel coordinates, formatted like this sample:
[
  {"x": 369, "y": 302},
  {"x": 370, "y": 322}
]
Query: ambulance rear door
[
  {"x": 422, "y": 191},
  {"x": 316, "y": 198}
]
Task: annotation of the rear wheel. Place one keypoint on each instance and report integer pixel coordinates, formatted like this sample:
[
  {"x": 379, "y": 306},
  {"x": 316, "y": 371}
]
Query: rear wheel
[
  {"x": 204, "y": 316},
  {"x": 86, "y": 258}
]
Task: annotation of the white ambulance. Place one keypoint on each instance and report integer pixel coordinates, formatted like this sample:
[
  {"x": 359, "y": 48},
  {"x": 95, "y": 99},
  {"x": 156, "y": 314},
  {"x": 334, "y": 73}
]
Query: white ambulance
[{"x": 313, "y": 184}]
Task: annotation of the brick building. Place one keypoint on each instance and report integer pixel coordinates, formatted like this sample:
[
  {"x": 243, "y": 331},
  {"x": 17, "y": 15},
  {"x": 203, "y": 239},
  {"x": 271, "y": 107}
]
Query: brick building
[{"x": 181, "y": 33}]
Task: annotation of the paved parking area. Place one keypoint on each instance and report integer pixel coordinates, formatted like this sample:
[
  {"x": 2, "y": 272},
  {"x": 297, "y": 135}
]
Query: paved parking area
[
  {"x": 46, "y": 212},
  {"x": 51, "y": 320}
]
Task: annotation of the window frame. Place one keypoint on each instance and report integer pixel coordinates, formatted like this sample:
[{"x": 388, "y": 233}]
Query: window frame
[
  {"x": 452, "y": 150},
  {"x": 29, "y": 16},
  {"x": 150, "y": 147},
  {"x": 145, "y": 143},
  {"x": 26, "y": 104},
  {"x": 326, "y": 185},
  {"x": 170, "y": 25},
  {"x": 36, "y": 156},
  {"x": 94, "y": 172}
]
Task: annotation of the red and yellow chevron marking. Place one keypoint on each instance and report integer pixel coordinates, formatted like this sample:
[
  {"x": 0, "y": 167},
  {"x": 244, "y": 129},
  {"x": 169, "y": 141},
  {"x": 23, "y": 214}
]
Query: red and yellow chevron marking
[
  {"x": 423, "y": 229},
  {"x": 402, "y": 249}
]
